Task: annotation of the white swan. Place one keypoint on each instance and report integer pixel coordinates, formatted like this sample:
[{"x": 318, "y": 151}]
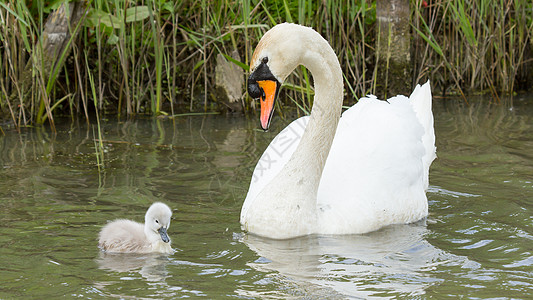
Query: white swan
[
  {"x": 325, "y": 176},
  {"x": 126, "y": 236}
]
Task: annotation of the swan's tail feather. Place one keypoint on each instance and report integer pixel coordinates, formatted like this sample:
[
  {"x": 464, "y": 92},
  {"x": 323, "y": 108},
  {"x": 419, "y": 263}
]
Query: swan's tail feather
[{"x": 421, "y": 101}]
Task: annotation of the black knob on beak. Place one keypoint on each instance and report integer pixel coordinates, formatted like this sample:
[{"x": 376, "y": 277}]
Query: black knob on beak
[{"x": 254, "y": 90}]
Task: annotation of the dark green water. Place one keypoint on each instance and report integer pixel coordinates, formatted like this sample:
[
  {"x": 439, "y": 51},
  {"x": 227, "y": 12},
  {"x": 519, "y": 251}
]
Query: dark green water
[{"x": 476, "y": 243}]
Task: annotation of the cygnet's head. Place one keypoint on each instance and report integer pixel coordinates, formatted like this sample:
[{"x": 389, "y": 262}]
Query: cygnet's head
[{"x": 157, "y": 221}]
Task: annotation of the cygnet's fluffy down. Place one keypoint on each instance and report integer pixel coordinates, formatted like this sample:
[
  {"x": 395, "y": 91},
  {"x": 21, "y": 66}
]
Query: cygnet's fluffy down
[{"x": 126, "y": 236}]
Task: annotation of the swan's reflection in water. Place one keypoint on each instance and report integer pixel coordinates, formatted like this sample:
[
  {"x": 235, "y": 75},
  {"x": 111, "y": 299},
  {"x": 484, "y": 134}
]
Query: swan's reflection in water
[
  {"x": 392, "y": 260},
  {"x": 151, "y": 266}
]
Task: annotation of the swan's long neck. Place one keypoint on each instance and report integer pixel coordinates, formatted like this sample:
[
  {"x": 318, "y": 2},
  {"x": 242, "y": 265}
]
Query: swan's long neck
[
  {"x": 290, "y": 198},
  {"x": 327, "y": 105}
]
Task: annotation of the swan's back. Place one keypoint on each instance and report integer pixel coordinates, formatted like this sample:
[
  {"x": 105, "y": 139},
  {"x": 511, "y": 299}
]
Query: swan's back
[
  {"x": 124, "y": 236},
  {"x": 377, "y": 169}
]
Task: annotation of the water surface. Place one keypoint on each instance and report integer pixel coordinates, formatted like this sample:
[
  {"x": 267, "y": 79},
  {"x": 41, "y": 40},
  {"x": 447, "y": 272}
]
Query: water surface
[{"x": 477, "y": 241}]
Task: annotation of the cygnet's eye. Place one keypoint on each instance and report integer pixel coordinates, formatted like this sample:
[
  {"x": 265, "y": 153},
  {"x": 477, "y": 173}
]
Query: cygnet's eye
[
  {"x": 157, "y": 221},
  {"x": 265, "y": 60}
]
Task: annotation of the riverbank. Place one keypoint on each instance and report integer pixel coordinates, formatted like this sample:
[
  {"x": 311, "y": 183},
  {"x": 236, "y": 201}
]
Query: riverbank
[{"x": 159, "y": 58}]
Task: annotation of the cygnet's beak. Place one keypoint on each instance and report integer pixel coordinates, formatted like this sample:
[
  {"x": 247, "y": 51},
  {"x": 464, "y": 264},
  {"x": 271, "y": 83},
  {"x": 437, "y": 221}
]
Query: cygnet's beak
[{"x": 164, "y": 236}]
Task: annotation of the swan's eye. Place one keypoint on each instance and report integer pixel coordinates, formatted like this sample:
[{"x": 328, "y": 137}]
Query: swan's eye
[{"x": 265, "y": 60}]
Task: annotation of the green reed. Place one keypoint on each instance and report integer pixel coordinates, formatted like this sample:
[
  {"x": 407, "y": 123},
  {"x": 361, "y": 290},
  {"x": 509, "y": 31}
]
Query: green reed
[
  {"x": 482, "y": 43},
  {"x": 158, "y": 57}
]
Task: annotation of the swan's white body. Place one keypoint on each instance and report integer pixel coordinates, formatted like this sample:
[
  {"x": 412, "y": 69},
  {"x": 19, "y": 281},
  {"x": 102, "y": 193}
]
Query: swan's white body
[
  {"x": 126, "y": 236},
  {"x": 325, "y": 176}
]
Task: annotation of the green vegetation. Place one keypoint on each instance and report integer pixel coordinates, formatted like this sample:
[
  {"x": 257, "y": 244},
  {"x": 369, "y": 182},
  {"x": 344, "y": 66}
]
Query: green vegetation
[
  {"x": 158, "y": 57},
  {"x": 477, "y": 45}
]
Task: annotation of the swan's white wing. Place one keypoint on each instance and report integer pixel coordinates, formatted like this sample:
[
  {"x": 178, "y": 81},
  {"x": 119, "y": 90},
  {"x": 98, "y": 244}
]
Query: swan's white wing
[
  {"x": 374, "y": 174},
  {"x": 276, "y": 155},
  {"x": 420, "y": 99}
]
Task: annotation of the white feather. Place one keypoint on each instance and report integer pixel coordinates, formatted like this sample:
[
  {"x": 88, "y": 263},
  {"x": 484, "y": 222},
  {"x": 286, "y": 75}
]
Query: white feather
[
  {"x": 126, "y": 236},
  {"x": 371, "y": 172}
]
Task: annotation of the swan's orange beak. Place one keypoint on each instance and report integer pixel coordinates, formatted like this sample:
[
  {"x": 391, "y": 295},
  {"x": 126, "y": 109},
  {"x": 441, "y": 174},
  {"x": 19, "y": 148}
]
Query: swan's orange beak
[{"x": 269, "y": 88}]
